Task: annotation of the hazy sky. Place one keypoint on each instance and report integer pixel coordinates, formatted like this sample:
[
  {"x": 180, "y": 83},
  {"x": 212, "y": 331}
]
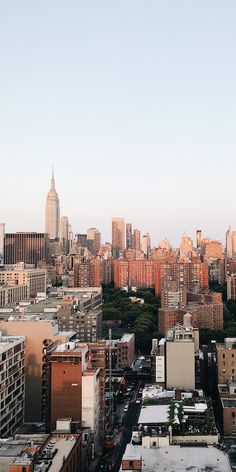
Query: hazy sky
[{"x": 133, "y": 101}]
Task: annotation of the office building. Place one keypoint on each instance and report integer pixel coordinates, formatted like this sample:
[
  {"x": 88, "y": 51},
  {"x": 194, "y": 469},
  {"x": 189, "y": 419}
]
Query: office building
[
  {"x": 136, "y": 240},
  {"x": 12, "y": 366},
  {"x": 52, "y": 212},
  {"x": 146, "y": 244},
  {"x": 118, "y": 237},
  {"x": 64, "y": 234},
  {"x": 29, "y": 248},
  {"x": 128, "y": 236},
  {"x": 93, "y": 240},
  {"x": 198, "y": 238},
  {"x": 34, "y": 279}
]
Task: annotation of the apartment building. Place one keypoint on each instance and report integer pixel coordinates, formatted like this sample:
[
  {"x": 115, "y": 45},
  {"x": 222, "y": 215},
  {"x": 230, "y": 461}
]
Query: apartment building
[{"x": 12, "y": 371}]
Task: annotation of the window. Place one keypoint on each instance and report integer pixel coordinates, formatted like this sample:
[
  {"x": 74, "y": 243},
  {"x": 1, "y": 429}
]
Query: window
[{"x": 233, "y": 414}]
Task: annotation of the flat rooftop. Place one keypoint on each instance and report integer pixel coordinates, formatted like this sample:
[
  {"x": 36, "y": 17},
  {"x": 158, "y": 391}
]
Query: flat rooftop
[
  {"x": 126, "y": 338},
  {"x": 229, "y": 402},
  {"x": 6, "y": 342},
  {"x": 179, "y": 459},
  {"x": 154, "y": 414},
  {"x": 64, "y": 447}
]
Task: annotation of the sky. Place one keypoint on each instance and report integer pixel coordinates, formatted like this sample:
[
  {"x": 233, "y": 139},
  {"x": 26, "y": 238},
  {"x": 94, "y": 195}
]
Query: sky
[{"x": 134, "y": 104}]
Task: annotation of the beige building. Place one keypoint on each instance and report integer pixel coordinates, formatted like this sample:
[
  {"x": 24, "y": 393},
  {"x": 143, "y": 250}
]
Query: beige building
[
  {"x": 11, "y": 295},
  {"x": 34, "y": 279},
  {"x": 118, "y": 236},
  {"x": 181, "y": 344},
  {"x": 52, "y": 212},
  {"x": 38, "y": 334}
]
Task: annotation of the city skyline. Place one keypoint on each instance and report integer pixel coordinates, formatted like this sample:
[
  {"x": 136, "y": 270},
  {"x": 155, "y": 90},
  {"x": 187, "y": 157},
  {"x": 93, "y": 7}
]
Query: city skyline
[{"x": 134, "y": 105}]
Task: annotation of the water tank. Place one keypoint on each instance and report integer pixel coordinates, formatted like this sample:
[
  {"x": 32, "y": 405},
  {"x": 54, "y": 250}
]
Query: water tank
[{"x": 187, "y": 320}]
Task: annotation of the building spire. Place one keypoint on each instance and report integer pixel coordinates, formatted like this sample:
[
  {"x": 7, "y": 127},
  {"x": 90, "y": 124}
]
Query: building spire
[{"x": 53, "y": 180}]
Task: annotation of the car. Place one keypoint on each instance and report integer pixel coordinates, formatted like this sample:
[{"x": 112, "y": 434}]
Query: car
[
  {"x": 138, "y": 401},
  {"x": 126, "y": 407}
]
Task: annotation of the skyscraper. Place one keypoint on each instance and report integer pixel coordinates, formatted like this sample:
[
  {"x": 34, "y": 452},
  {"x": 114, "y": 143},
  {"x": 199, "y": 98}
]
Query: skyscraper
[
  {"x": 52, "y": 211},
  {"x": 118, "y": 236},
  {"x": 128, "y": 236},
  {"x": 64, "y": 234}
]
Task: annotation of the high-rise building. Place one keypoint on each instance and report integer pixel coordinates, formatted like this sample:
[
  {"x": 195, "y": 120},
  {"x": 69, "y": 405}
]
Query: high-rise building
[
  {"x": 93, "y": 240},
  {"x": 52, "y": 212},
  {"x": 25, "y": 247},
  {"x": 136, "y": 240},
  {"x": 230, "y": 243},
  {"x": 128, "y": 236},
  {"x": 146, "y": 244},
  {"x": 2, "y": 235},
  {"x": 198, "y": 237},
  {"x": 118, "y": 236},
  {"x": 12, "y": 366},
  {"x": 181, "y": 344},
  {"x": 186, "y": 247},
  {"x": 64, "y": 234}
]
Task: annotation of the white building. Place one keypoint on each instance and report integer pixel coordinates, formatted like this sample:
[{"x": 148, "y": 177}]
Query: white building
[{"x": 90, "y": 403}]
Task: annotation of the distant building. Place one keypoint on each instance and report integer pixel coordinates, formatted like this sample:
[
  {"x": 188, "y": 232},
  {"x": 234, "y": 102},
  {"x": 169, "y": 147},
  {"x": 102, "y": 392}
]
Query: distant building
[
  {"x": 29, "y": 248},
  {"x": 136, "y": 240},
  {"x": 93, "y": 241},
  {"x": 52, "y": 212},
  {"x": 118, "y": 236},
  {"x": 34, "y": 279},
  {"x": 64, "y": 234},
  {"x": 128, "y": 236}
]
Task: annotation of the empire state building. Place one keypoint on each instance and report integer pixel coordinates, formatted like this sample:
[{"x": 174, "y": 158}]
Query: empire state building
[{"x": 52, "y": 211}]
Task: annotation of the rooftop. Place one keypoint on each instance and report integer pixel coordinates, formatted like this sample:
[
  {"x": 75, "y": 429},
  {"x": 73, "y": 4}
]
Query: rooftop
[
  {"x": 181, "y": 459},
  {"x": 6, "y": 342},
  {"x": 154, "y": 414},
  {"x": 126, "y": 338},
  {"x": 59, "y": 449}
]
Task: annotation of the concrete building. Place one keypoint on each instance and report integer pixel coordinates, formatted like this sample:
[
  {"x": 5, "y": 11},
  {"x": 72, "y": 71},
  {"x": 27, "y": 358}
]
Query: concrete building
[
  {"x": 128, "y": 236},
  {"x": 52, "y": 212},
  {"x": 64, "y": 234},
  {"x": 118, "y": 236},
  {"x": 34, "y": 279},
  {"x": 226, "y": 361},
  {"x": 29, "y": 248},
  {"x": 38, "y": 334},
  {"x": 12, "y": 366},
  {"x": 181, "y": 344},
  {"x": 87, "y": 322},
  {"x": 231, "y": 287},
  {"x": 227, "y": 408},
  {"x": 122, "y": 351},
  {"x": 60, "y": 451},
  {"x": 93, "y": 240},
  {"x": 205, "y": 314},
  {"x": 91, "y": 414},
  {"x": 167, "y": 459},
  {"x": 12, "y": 295},
  {"x": 126, "y": 351}
]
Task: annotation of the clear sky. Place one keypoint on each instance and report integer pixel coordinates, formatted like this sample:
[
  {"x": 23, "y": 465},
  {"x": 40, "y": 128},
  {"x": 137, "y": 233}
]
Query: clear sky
[{"x": 132, "y": 101}]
